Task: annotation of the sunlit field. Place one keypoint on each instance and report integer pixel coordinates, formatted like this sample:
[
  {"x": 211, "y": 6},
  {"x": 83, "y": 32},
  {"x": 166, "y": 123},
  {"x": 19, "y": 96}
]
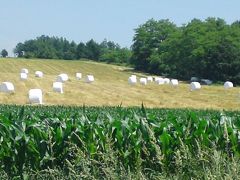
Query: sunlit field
[{"x": 110, "y": 87}]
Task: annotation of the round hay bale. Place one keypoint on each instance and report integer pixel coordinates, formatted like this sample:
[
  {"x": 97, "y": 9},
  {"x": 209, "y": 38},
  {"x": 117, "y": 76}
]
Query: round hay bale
[
  {"x": 132, "y": 80},
  {"x": 89, "y": 79},
  {"x": 79, "y": 76},
  {"x": 39, "y": 74},
  {"x": 58, "y": 87},
  {"x": 174, "y": 82},
  {"x": 166, "y": 81},
  {"x": 62, "y": 78},
  {"x": 35, "y": 96},
  {"x": 159, "y": 80},
  {"x": 7, "y": 87},
  {"x": 23, "y": 76},
  {"x": 228, "y": 85},
  {"x": 195, "y": 86},
  {"x": 143, "y": 81}
]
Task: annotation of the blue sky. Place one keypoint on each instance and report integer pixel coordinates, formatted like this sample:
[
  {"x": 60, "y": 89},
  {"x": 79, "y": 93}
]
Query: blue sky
[{"x": 81, "y": 20}]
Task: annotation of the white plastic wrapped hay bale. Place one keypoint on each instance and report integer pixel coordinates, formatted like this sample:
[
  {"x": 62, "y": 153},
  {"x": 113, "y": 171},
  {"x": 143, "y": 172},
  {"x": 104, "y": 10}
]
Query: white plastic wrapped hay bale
[
  {"x": 174, "y": 82},
  {"x": 7, "y": 87},
  {"x": 62, "y": 78},
  {"x": 150, "y": 79},
  {"x": 39, "y": 74},
  {"x": 132, "y": 80},
  {"x": 58, "y": 87},
  {"x": 166, "y": 81},
  {"x": 143, "y": 81},
  {"x": 228, "y": 85},
  {"x": 24, "y": 70},
  {"x": 159, "y": 80},
  {"x": 195, "y": 86},
  {"x": 23, "y": 76},
  {"x": 89, "y": 79},
  {"x": 79, "y": 76},
  {"x": 35, "y": 96}
]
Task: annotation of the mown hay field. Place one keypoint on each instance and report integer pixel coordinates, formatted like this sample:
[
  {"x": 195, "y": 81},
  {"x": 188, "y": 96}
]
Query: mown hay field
[{"x": 110, "y": 87}]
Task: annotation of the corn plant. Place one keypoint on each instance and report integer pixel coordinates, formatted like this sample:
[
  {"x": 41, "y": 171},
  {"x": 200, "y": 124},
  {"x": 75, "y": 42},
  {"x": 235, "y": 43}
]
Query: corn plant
[{"x": 46, "y": 137}]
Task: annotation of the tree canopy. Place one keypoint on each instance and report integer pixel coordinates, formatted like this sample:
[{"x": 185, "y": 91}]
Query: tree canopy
[
  {"x": 207, "y": 49},
  {"x": 46, "y": 47},
  {"x": 4, "y": 53}
]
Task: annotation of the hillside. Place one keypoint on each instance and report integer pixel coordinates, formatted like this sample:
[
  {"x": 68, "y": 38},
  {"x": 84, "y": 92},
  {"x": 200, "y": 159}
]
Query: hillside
[{"x": 109, "y": 89}]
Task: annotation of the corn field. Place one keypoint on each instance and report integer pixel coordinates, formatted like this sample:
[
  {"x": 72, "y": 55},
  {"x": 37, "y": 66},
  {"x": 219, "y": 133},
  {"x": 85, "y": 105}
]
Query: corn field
[{"x": 95, "y": 139}]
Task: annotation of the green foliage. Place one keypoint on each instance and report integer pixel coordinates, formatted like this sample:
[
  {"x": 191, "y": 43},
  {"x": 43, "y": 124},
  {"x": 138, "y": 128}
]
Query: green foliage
[
  {"x": 4, "y": 53},
  {"x": 159, "y": 140},
  {"x": 59, "y": 48},
  {"x": 147, "y": 41},
  {"x": 119, "y": 56},
  {"x": 207, "y": 49}
]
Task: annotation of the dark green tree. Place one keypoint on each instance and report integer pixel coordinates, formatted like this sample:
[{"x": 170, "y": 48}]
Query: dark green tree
[
  {"x": 147, "y": 41},
  {"x": 19, "y": 50},
  {"x": 4, "y": 53},
  {"x": 206, "y": 49},
  {"x": 81, "y": 51},
  {"x": 93, "y": 50}
]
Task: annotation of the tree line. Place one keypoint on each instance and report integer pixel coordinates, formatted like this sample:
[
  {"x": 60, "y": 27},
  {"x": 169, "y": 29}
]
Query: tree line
[
  {"x": 46, "y": 47},
  {"x": 207, "y": 49}
]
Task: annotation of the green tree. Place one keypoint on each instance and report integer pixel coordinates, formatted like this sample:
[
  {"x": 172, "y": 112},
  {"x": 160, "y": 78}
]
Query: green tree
[
  {"x": 206, "y": 49},
  {"x": 148, "y": 39},
  {"x": 4, "y": 53},
  {"x": 19, "y": 50},
  {"x": 93, "y": 50},
  {"x": 81, "y": 51},
  {"x": 117, "y": 56}
]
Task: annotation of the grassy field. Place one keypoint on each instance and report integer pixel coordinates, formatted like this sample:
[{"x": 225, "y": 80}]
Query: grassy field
[{"x": 110, "y": 88}]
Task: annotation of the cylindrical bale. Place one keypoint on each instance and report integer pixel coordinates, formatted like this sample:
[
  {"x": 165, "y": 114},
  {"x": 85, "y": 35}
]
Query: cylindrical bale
[
  {"x": 35, "y": 96},
  {"x": 150, "y": 79},
  {"x": 159, "y": 80},
  {"x": 58, "y": 87},
  {"x": 195, "y": 86},
  {"x": 62, "y": 78},
  {"x": 89, "y": 79},
  {"x": 23, "y": 76},
  {"x": 7, "y": 87},
  {"x": 166, "y": 81},
  {"x": 79, "y": 76},
  {"x": 228, "y": 85},
  {"x": 39, "y": 74},
  {"x": 143, "y": 81},
  {"x": 174, "y": 82},
  {"x": 132, "y": 80}
]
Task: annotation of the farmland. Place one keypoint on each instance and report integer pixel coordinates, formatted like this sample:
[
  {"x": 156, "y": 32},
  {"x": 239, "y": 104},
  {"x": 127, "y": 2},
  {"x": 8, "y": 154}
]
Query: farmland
[
  {"x": 113, "y": 130},
  {"x": 109, "y": 89},
  {"x": 117, "y": 142}
]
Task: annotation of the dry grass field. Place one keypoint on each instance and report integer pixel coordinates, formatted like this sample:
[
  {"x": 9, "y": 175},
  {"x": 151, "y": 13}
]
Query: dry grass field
[{"x": 110, "y": 88}]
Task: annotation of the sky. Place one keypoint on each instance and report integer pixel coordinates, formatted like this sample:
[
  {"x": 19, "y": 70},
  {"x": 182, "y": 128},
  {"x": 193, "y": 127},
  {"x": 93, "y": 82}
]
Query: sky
[{"x": 82, "y": 20}]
